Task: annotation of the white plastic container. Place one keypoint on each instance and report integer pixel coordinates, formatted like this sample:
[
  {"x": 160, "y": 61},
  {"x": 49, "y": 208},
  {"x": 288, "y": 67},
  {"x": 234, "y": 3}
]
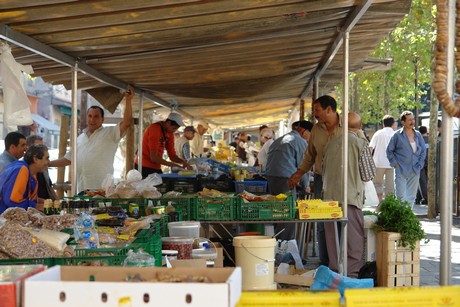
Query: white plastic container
[
  {"x": 187, "y": 229},
  {"x": 256, "y": 257}
]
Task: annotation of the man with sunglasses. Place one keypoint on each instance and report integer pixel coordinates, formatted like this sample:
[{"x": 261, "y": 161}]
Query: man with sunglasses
[{"x": 158, "y": 137}]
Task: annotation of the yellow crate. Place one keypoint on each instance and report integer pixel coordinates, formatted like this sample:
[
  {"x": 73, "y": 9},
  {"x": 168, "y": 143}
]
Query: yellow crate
[
  {"x": 404, "y": 297},
  {"x": 316, "y": 203},
  {"x": 397, "y": 266},
  {"x": 320, "y": 213},
  {"x": 289, "y": 298}
]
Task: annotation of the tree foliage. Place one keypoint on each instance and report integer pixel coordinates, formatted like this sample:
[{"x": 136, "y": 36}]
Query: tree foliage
[{"x": 409, "y": 46}]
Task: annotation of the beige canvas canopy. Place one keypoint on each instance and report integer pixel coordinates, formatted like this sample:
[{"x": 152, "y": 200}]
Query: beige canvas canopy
[{"x": 233, "y": 63}]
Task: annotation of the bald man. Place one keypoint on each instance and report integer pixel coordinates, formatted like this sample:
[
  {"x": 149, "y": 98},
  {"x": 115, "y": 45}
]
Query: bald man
[{"x": 333, "y": 190}]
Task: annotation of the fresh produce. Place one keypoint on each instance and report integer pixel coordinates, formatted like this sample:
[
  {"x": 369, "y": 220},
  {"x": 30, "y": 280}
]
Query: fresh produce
[{"x": 397, "y": 216}]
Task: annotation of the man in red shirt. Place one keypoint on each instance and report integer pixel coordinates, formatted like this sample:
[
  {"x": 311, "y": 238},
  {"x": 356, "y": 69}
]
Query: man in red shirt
[{"x": 158, "y": 137}]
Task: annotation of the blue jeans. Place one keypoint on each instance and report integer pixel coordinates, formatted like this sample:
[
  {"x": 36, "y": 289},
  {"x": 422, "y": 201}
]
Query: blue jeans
[{"x": 406, "y": 186}]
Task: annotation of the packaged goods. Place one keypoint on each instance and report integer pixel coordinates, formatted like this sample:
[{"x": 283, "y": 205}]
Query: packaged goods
[
  {"x": 182, "y": 245},
  {"x": 17, "y": 242},
  {"x": 35, "y": 216},
  {"x": 59, "y": 222},
  {"x": 55, "y": 239},
  {"x": 16, "y": 214}
]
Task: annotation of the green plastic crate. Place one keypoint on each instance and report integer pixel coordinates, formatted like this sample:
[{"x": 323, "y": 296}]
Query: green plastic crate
[
  {"x": 266, "y": 210},
  {"x": 215, "y": 209},
  {"x": 184, "y": 204},
  {"x": 150, "y": 243},
  {"x": 97, "y": 252},
  {"x": 164, "y": 226},
  {"x": 45, "y": 261},
  {"x": 116, "y": 260}
]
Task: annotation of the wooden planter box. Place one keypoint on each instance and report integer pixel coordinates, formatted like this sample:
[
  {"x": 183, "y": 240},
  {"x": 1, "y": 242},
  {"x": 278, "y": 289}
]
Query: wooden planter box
[{"x": 397, "y": 266}]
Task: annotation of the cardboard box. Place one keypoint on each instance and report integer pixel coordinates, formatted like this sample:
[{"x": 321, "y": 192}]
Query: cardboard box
[
  {"x": 219, "y": 261},
  {"x": 71, "y": 286},
  {"x": 11, "y": 281},
  {"x": 296, "y": 277}
]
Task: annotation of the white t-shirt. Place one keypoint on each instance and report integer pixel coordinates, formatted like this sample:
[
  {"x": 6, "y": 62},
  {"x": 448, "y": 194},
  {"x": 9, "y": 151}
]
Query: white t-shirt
[
  {"x": 95, "y": 155},
  {"x": 196, "y": 145},
  {"x": 380, "y": 142},
  {"x": 263, "y": 153}
]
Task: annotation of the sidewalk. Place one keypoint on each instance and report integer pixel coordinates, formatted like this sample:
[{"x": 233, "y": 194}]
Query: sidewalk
[{"x": 430, "y": 252}]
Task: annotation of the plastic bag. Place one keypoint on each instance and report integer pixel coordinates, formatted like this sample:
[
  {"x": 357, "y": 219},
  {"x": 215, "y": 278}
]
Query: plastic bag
[
  {"x": 327, "y": 279},
  {"x": 15, "y": 100},
  {"x": 370, "y": 194},
  {"x": 147, "y": 184},
  {"x": 85, "y": 232},
  {"x": 133, "y": 175},
  {"x": 139, "y": 259},
  {"x": 142, "y": 223},
  {"x": 287, "y": 251},
  {"x": 125, "y": 189},
  {"x": 16, "y": 214}
]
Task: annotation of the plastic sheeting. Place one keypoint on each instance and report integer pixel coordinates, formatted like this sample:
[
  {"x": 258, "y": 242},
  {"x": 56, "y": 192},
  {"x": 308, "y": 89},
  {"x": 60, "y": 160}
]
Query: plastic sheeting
[{"x": 16, "y": 103}]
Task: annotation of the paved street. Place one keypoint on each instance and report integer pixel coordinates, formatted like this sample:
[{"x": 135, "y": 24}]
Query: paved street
[{"x": 430, "y": 252}]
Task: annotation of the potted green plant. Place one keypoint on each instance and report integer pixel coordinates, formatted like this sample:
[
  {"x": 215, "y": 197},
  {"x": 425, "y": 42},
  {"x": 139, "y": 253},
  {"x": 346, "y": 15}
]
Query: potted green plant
[
  {"x": 397, "y": 245},
  {"x": 395, "y": 215}
]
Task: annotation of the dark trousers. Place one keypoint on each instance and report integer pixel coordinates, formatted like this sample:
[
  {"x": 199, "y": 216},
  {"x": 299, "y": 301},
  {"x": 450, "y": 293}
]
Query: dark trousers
[
  {"x": 320, "y": 234},
  {"x": 355, "y": 242},
  {"x": 147, "y": 171},
  {"x": 277, "y": 185},
  {"x": 422, "y": 192}
]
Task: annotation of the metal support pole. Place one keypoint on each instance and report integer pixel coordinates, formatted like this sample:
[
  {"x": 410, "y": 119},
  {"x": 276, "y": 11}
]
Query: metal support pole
[
  {"x": 346, "y": 52},
  {"x": 140, "y": 132},
  {"x": 73, "y": 129},
  {"x": 447, "y": 158}
]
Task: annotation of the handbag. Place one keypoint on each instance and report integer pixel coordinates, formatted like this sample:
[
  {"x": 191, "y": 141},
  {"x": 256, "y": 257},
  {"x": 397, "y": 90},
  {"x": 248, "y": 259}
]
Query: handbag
[{"x": 366, "y": 164}]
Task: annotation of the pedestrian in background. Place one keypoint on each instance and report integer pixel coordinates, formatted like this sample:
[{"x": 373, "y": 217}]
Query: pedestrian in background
[{"x": 406, "y": 153}]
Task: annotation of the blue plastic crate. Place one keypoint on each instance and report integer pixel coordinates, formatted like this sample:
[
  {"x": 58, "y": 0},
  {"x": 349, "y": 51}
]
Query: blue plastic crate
[{"x": 251, "y": 186}]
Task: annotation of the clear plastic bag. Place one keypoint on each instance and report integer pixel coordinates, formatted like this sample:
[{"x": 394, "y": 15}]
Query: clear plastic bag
[{"x": 139, "y": 259}]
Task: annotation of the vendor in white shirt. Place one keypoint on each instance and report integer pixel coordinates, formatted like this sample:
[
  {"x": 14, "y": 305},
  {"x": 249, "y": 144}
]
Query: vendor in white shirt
[
  {"x": 196, "y": 145},
  {"x": 96, "y": 147}
]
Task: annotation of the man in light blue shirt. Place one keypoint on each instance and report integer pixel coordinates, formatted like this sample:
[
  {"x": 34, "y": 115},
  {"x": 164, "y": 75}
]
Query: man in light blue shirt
[
  {"x": 15, "y": 147},
  {"x": 284, "y": 157},
  {"x": 406, "y": 153}
]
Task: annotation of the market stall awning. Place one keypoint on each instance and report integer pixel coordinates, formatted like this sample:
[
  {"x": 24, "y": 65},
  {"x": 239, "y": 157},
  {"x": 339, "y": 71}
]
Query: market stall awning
[
  {"x": 44, "y": 123},
  {"x": 234, "y": 63}
]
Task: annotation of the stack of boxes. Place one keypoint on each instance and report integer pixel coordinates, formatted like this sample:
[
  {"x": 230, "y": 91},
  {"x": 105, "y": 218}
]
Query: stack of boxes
[{"x": 318, "y": 209}]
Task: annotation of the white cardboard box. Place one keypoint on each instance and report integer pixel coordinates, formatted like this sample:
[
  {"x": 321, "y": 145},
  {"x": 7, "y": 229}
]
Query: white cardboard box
[{"x": 71, "y": 286}]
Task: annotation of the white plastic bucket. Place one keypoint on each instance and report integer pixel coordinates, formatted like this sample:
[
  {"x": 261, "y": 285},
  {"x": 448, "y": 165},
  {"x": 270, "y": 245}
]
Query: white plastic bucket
[
  {"x": 187, "y": 229},
  {"x": 256, "y": 257}
]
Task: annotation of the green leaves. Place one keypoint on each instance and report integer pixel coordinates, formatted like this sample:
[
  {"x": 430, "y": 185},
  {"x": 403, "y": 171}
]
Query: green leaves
[
  {"x": 409, "y": 46},
  {"x": 397, "y": 216}
]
